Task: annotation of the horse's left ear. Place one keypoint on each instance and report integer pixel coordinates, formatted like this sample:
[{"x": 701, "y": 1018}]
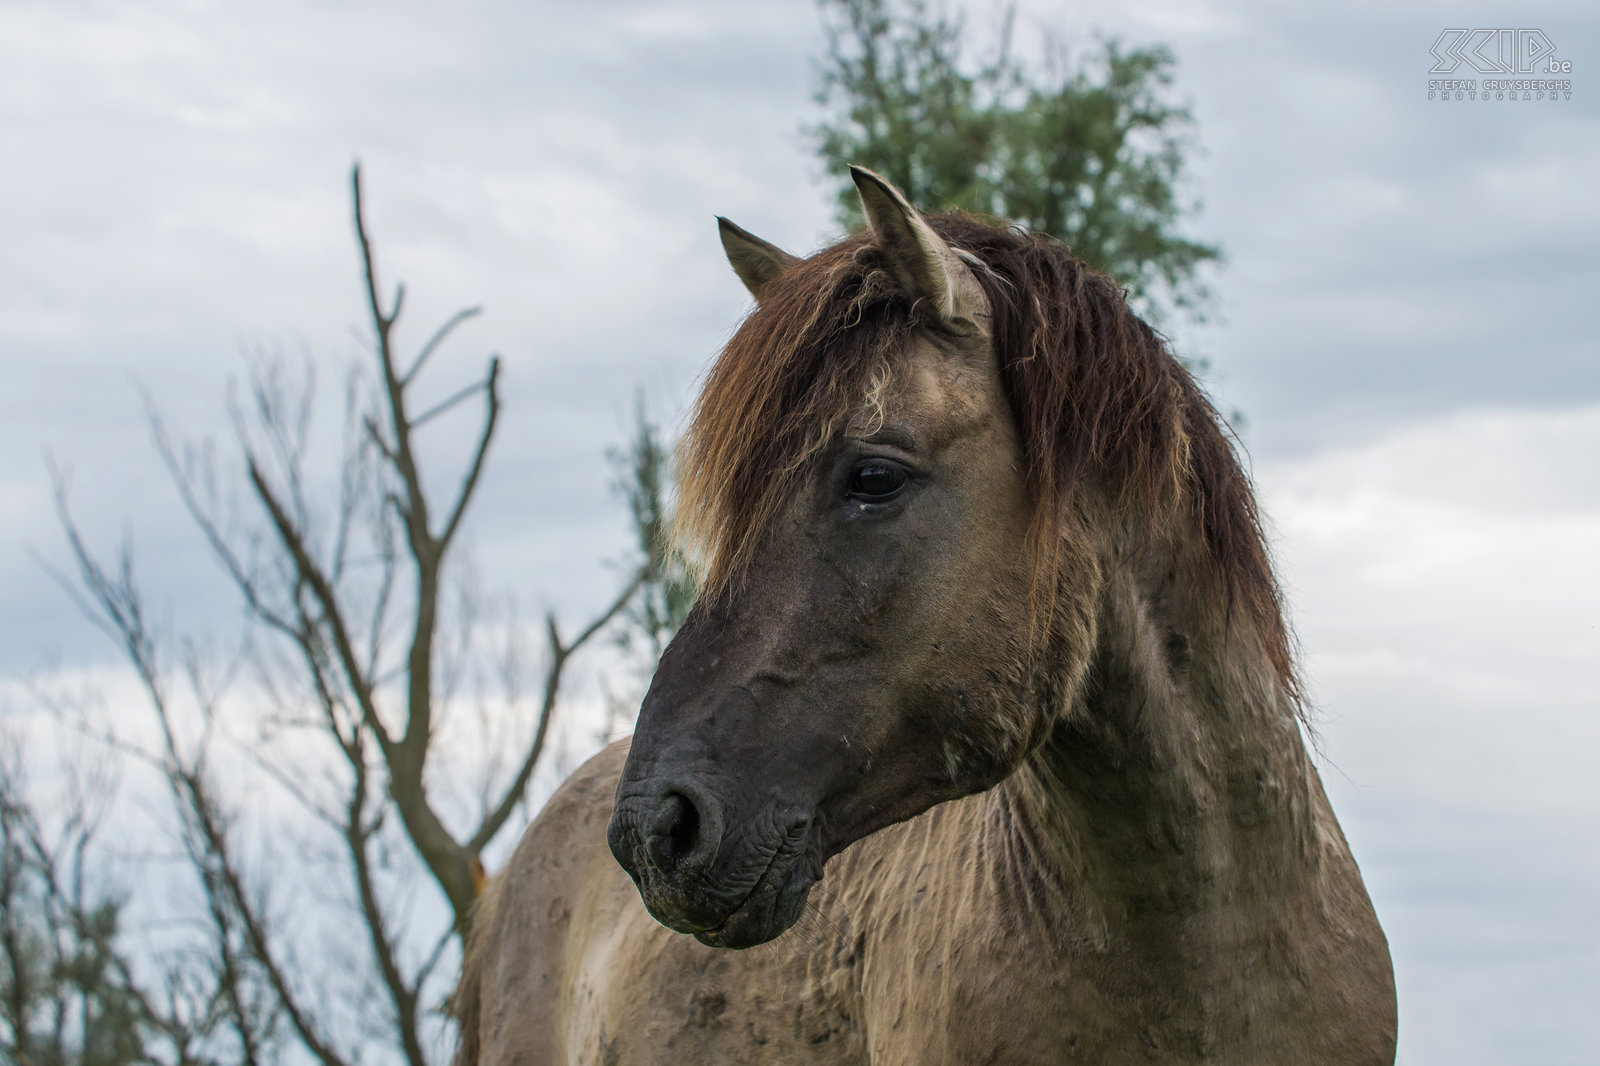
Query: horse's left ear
[
  {"x": 756, "y": 261},
  {"x": 925, "y": 266}
]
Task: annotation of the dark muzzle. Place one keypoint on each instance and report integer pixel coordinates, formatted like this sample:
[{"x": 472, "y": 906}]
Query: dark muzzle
[{"x": 728, "y": 886}]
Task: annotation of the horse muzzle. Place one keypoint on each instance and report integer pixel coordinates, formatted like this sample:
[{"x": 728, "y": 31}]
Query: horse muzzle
[{"x": 730, "y": 885}]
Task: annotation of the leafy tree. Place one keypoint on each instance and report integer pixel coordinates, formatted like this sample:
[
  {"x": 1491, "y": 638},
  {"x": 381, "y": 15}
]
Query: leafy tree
[
  {"x": 68, "y": 994},
  {"x": 1091, "y": 153},
  {"x": 644, "y": 481}
]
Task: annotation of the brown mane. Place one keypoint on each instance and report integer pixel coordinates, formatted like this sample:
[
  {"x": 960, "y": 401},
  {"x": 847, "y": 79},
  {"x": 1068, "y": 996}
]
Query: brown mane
[{"x": 1095, "y": 393}]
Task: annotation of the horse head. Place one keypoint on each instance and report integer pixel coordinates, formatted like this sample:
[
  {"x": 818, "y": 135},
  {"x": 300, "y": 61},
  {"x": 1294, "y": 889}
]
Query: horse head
[{"x": 868, "y": 639}]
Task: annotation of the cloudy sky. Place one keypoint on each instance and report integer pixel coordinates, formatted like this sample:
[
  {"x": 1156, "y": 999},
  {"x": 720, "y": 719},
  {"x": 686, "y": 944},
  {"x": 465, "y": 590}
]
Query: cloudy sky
[{"x": 1409, "y": 316}]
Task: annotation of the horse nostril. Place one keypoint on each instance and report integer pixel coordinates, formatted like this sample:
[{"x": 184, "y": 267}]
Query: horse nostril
[{"x": 675, "y": 830}]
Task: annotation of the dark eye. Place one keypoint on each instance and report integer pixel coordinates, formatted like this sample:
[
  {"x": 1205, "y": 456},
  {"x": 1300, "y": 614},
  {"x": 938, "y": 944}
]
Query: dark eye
[{"x": 876, "y": 480}]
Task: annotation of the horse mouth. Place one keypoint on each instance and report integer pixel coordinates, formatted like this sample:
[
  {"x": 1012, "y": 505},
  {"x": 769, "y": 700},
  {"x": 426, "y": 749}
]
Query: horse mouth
[
  {"x": 727, "y": 889},
  {"x": 773, "y": 905}
]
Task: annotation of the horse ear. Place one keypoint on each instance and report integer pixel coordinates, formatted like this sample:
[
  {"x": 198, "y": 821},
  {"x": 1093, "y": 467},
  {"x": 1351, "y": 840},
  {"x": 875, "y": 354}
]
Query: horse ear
[
  {"x": 756, "y": 261},
  {"x": 924, "y": 265}
]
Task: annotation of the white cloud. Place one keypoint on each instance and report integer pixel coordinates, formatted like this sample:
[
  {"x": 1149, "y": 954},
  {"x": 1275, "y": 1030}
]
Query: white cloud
[{"x": 1446, "y": 587}]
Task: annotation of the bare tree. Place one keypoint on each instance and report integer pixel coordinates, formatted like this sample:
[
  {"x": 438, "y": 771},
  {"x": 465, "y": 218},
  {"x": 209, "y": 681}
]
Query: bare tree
[{"x": 362, "y": 648}]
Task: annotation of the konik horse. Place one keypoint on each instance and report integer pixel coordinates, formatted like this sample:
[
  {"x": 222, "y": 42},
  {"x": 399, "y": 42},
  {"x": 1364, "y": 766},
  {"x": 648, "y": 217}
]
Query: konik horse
[{"x": 987, "y": 693}]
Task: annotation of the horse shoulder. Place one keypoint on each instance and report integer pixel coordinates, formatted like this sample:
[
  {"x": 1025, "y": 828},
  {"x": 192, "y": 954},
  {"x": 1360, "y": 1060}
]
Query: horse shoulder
[{"x": 519, "y": 1001}]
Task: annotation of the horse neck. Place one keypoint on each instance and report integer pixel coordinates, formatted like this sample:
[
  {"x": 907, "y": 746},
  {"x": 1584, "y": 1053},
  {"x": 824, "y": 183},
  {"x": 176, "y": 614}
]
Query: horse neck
[{"x": 1176, "y": 784}]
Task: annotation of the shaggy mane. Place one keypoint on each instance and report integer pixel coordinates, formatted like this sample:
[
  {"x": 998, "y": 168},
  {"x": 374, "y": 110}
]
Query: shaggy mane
[{"x": 1095, "y": 394}]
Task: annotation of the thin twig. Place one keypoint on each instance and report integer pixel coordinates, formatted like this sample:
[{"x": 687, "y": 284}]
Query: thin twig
[{"x": 437, "y": 339}]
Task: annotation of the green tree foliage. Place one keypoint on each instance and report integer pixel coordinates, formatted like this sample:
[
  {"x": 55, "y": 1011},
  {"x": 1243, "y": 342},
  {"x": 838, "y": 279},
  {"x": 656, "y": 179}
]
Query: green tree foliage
[
  {"x": 66, "y": 991},
  {"x": 644, "y": 481},
  {"x": 1090, "y": 152}
]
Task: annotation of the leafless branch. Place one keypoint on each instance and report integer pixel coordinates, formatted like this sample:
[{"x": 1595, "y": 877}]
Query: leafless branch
[
  {"x": 497, "y": 816},
  {"x": 470, "y": 482},
  {"x": 366, "y": 645},
  {"x": 437, "y": 339}
]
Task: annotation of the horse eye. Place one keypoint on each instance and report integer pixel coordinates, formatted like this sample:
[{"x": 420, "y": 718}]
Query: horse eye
[{"x": 876, "y": 480}]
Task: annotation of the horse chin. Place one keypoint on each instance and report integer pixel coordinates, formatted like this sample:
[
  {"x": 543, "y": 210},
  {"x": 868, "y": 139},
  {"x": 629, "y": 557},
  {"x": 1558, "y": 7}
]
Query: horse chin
[{"x": 763, "y": 917}]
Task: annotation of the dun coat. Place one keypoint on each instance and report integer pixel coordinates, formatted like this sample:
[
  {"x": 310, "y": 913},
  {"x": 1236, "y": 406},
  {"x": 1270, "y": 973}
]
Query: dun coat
[{"x": 983, "y": 739}]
